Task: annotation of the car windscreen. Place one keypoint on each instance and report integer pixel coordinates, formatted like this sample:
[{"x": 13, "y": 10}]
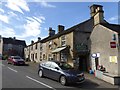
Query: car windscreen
[
  {"x": 16, "y": 57},
  {"x": 65, "y": 66}
]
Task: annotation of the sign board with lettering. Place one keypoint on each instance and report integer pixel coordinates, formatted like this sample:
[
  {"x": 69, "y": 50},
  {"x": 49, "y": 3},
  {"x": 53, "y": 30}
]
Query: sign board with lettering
[
  {"x": 113, "y": 44},
  {"x": 81, "y": 47}
]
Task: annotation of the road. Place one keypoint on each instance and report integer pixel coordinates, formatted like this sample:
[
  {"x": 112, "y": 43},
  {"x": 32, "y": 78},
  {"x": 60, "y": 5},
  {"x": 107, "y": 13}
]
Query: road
[{"x": 27, "y": 77}]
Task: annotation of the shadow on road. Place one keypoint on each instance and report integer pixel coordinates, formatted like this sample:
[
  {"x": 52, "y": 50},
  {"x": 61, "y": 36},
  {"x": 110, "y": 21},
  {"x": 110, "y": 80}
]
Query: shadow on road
[{"x": 87, "y": 84}]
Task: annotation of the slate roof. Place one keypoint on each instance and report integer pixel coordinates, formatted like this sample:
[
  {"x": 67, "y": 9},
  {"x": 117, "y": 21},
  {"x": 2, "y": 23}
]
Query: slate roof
[
  {"x": 71, "y": 30},
  {"x": 113, "y": 27},
  {"x": 84, "y": 29},
  {"x": 13, "y": 41}
]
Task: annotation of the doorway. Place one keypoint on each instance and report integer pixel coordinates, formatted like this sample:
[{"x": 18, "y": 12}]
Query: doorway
[
  {"x": 83, "y": 63},
  {"x": 96, "y": 63}
]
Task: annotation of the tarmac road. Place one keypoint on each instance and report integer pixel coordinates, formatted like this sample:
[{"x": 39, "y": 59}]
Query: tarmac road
[{"x": 27, "y": 77}]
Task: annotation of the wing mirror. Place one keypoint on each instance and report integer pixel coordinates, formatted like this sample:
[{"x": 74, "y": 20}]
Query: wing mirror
[{"x": 57, "y": 68}]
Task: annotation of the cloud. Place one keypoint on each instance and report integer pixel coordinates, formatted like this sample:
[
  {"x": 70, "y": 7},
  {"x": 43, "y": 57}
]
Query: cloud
[
  {"x": 9, "y": 32},
  {"x": 17, "y": 5},
  {"x": 1, "y": 10},
  {"x": 4, "y": 18},
  {"x": 12, "y": 14},
  {"x": 113, "y": 18},
  {"x": 45, "y": 4},
  {"x": 33, "y": 26}
]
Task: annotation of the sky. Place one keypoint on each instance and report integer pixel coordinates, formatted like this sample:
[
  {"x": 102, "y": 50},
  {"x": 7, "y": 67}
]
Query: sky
[{"x": 30, "y": 20}]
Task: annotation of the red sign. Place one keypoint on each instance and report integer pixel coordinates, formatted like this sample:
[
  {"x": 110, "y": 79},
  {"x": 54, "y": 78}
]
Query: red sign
[{"x": 113, "y": 44}]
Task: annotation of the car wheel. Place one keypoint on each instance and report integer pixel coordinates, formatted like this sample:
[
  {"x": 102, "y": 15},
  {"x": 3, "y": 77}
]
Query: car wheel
[
  {"x": 63, "y": 80},
  {"x": 40, "y": 73}
]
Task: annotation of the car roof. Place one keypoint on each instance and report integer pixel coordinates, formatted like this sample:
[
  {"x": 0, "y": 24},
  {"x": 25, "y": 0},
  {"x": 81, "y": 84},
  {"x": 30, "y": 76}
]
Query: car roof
[{"x": 55, "y": 61}]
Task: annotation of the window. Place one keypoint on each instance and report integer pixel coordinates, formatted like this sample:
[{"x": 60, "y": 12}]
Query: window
[
  {"x": 36, "y": 46},
  {"x": 53, "y": 65},
  {"x": 63, "y": 40},
  {"x": 40, "y": 56},
  {"x": 47, "y": 64},
  {"x": 36, "y": 55},
  {"x": 31, "y": 56},
  {"x": 50, "y": 44},
  {"x": 10, "y": 46},
  {"x": 43, "y": 56},
  {"x": 41, "y": 48},
  {"x": 50, "y": 57},
  {"x": 31, "y": 47}
]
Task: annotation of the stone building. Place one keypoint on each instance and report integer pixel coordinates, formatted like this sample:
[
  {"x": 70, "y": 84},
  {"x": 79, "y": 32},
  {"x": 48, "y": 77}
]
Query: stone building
[
  {"x": 86, "y": 45},
  {"x": 105, "y": 40},
  {"x": 33, "y": 51},
  {"x": 12, "y": 46}
]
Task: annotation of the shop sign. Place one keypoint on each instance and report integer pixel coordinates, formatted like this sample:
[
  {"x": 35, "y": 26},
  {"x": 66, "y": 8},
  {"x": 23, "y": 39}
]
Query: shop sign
[
  {"x": 113, "y": 44},
  {"x": 81, "y": 47},
  {"x": 113, "y": 59},
  {"x": 96, "y": 55}
]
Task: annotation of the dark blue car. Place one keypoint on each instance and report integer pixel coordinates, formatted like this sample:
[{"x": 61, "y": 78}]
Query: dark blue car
[{"x": 60, "y": 71}]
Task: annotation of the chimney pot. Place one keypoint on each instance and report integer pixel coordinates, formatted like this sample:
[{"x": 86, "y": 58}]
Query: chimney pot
[
  {"x": 32, "y": 42},
  {"x": 51, "y": 32},
  {"x": 39, "y": 38},
  {"x": 60, "y": 28},
  {"x": 97, "y": 14}
]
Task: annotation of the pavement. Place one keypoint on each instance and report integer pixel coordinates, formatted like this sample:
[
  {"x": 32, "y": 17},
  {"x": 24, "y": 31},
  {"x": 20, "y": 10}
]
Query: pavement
[{"x": 88, "y": 76}]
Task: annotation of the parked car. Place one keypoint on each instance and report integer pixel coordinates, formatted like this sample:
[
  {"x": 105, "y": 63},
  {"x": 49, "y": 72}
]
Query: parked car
[
  {"x": 60, "y": 71},
  {"x": 15, "y": 60}
]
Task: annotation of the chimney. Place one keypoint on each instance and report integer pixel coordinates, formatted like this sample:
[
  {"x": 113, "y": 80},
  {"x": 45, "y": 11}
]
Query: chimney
[
  {"x": 32, "y": 42},
  {"x": 97, "y": 14},
  {"x": 39, "y": 38},
  {"x": 14, "y": 38},
  {"x": 51, "y": 32},
  {"x": 60, "y": 28}
]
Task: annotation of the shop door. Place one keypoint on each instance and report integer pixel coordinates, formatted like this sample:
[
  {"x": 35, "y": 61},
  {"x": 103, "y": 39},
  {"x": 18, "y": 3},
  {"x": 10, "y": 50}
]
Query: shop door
[{"x": 83, "y": 63}]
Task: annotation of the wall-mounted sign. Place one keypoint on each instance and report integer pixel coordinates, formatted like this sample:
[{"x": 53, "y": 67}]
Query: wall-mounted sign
[
  {"x": 96, "y": 55},
  {"x": 81, "y": 47},
  {"x": 113, "y": 44},
  {"x": 114, "y": 37},
  {"x": 113, "y": 59}
]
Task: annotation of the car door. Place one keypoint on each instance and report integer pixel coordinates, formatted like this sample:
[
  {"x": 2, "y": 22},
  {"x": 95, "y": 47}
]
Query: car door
[
  {"x": 54, "y": 72},
  {"x": 46, "y": 69}
]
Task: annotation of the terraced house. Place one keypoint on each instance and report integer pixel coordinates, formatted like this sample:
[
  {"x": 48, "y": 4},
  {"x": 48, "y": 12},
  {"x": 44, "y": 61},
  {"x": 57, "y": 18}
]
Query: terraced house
[{"x": 89, "y": 44}]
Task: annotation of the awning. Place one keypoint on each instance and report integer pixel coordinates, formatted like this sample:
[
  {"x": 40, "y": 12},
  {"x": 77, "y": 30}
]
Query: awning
[{"x": 58, "y": 49}]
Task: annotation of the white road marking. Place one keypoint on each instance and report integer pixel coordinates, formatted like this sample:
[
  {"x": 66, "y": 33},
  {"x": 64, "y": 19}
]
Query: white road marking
[
  {"x": 41, "y": 83},
  {"x": 12, "y": 69}
]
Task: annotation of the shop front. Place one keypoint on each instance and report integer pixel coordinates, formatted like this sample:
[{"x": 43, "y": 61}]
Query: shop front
[{"x": 81, "y": 57}]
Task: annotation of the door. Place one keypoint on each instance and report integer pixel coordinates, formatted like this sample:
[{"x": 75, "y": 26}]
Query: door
[
  {"x": 54, "y": 72},
  {"x": 96, "y": 63},
  {"x": 46, "y": 69},
  {"x": 83, "y": 63}
]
